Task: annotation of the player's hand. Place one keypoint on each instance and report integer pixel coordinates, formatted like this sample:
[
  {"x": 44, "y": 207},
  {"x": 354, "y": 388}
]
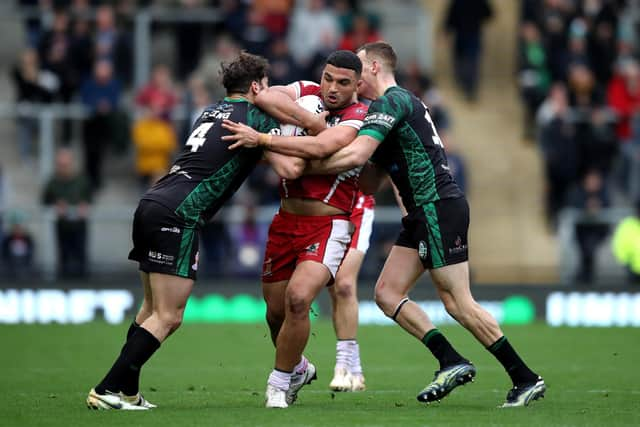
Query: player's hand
[
  {"x": 318, "y": 124},
  {"x": 242, "y": 135}
]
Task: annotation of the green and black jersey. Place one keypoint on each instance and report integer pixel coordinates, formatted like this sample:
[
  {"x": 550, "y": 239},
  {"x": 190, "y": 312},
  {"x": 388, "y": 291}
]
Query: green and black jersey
[
  {"x": 410, "y": 151},
  {"x": 206, "y": 173}
]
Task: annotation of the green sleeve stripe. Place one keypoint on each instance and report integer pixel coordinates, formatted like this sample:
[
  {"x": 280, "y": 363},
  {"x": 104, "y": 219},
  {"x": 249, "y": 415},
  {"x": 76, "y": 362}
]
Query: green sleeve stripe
[{"x": 372, "y": 133}]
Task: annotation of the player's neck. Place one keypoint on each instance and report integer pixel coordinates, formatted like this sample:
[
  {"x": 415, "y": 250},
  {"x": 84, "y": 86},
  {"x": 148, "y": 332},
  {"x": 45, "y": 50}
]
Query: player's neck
[
  {"x": 239, "y": 97},
  {"x": 384, "y": 84}
]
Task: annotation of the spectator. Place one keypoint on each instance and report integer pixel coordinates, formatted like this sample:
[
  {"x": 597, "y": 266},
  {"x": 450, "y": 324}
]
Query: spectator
[
  {"x": 306, "y": 45},
  {"x": 155, "y": 141},
  {"x": 255, "y": 36},
  {"x": 101, "y": 95},
  {"x": 55, "y": 56},
  {"x": 626, "y": 244},
  {"x": 224, "y": 50},
  {"x": 361, "y": 33},
  {"x": 17, "y": 250},
  {"x": 590, "y": 196},
  {"x": 457, "y": 166},
  {"x": 196, "y": 100},
  {"x": 415, "y": 80},
  {"x": 188, "y": 40},
  {"x": 111, "y": 44},
  {"x": 159, "y": 92},
  {"x": 559, "y": 150},
  {"x": 534, "y": 76},
  {"x": 81, "y": 48},
  {"x": 32, "y": 86},
  {"x": 624, "y": 98},
  {"x": 69, "y": 194},
  {"x": 282, "y": 67},
  {"x": 464, "y": 21}
]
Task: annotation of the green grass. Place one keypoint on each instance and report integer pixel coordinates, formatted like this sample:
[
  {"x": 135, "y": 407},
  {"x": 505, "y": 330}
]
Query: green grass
[{"x": 215, "y": 375}]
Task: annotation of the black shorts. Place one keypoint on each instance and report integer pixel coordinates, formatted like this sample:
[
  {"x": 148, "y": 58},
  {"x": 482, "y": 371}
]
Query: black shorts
[
  {"x": 438, "y": 231},
  {"x": 163, "y": 242}
]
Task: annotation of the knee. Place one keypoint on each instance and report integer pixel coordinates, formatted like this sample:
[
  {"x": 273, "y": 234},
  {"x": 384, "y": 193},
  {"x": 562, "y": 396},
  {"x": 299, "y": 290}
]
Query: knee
[
  {"x": 298, "y": 304},
  {"x": 344, "y": 289},
  {"x": 275, "y": 315},
  {"x": 386, "y": 299},
  {"x": 171, "y": 320}
]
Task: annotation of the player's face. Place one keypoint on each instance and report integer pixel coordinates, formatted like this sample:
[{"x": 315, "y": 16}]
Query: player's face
[
  {"x": 338, "y": 87},
  {"x": 366, "y": 87}
]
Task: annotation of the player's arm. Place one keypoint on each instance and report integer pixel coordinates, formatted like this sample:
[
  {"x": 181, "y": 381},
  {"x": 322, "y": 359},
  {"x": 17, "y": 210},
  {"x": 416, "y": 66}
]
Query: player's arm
[
  {"x": 396, "y": 193},
  {"x": 287, "y": 167},
  {"x": 322, "y": 145},
  {"x": 371, "y": 178},
  {"x": 351, "y": 156},
  {"x": 279, "y": 102}
]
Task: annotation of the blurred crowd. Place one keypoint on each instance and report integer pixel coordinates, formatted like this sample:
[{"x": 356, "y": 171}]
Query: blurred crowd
[
  {"x": 579, "y": 77},
  {"x": 81, "y": 51}
]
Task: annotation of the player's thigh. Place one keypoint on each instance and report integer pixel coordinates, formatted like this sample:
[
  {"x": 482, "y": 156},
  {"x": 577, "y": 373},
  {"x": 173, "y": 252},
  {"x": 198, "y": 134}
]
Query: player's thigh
[
  {"x": 146, "y": 288},
  {"x": 170, "y": 293},
  {"x": 308, "y": 279},
  {"x": 347, "y": 274},
  {"x": 273, "y": 294},
  {"x": 400, "y": 272}
]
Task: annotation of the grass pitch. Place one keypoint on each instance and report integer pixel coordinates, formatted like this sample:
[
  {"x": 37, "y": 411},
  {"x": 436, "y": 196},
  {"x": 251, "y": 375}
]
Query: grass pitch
[{"x": 215, "y": 375}]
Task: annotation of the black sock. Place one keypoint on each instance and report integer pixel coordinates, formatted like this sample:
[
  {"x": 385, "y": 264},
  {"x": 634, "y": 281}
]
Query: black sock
[
  {"x": 125, "y": 372},
  {"x": 442, "y": 349},
  {"x": 515, "y": 367},
  {"x": 132, "y": 328}
]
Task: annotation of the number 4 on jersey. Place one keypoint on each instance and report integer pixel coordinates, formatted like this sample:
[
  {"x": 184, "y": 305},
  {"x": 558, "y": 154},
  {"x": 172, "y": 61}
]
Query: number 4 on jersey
[{"x": 197, "y": 138}]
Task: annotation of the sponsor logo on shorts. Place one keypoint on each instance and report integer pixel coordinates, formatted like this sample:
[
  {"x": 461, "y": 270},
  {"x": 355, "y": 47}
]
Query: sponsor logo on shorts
[
  {"x": 160, "y": 258},
  {"x": 422, "y": 249},
  {"x": 313, "y": 248},
  {"x": 459, "y": 247},
  {"x": 171, "y": 230}
]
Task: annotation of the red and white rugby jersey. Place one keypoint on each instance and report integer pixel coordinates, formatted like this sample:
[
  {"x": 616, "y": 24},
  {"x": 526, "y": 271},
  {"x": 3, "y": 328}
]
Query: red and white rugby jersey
[{"x": 339, "y": 190}]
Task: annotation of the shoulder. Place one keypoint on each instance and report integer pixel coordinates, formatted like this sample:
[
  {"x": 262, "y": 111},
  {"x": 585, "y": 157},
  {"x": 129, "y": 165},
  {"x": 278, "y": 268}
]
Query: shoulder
[
  {"x": 356, "y": 111},
  {"x": 305, "y": 87}
]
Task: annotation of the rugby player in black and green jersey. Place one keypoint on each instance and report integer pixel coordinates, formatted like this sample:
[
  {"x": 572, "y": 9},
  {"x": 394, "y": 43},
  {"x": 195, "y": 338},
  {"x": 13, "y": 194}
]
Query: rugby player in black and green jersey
[
  {"x": 168, "y": 219},
  {"x": 399, "y": 139}
]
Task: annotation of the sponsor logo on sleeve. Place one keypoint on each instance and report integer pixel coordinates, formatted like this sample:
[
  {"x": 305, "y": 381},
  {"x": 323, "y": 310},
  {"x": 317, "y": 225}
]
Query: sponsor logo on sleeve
[{"x": 380, "y": 119}]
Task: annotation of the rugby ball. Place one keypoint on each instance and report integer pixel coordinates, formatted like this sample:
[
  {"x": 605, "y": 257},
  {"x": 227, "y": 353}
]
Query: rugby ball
[{"x": 311, "y": 103}]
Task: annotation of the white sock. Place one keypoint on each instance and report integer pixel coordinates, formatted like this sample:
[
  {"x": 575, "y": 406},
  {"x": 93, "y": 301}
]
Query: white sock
[
  {"x": 354, "y": 363},
  {"x": 280, "y": 379},
  {"x": 344, "y": 350},
  {"x": 301, "y": 366}
]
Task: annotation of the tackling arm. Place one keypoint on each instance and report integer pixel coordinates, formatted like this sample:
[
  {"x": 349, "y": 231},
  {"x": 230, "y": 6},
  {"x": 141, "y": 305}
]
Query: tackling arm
[
  {"x": 349, "y": 157},
  {"x": 287, "y": 167},
  {"x": 308, "y": 147}
]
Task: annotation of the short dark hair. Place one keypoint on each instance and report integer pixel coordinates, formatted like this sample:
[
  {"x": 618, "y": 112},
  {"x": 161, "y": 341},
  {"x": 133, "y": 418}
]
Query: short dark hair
[
  {"x": 383, "y": 51},
  {"x": 238, "y": 74},
  {"x": 345, "y": 59}
]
